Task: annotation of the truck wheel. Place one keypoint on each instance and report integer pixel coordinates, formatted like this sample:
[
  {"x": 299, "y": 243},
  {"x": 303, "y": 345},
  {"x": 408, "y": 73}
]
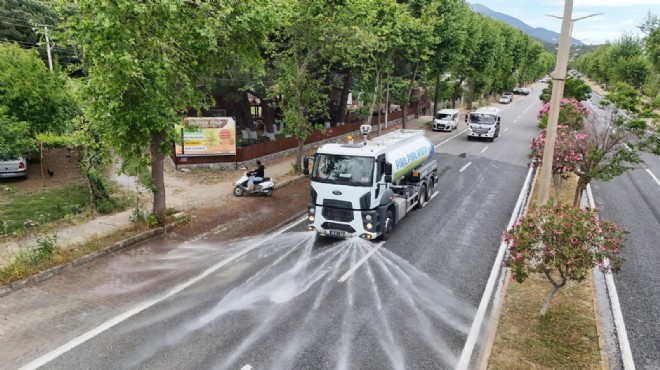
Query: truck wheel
[
  {"x": 422, "y": 198},
  {"x": 430, "y": 190},
  {"x": 389, "y": 225},
  {"x": 238, "y": 191}
]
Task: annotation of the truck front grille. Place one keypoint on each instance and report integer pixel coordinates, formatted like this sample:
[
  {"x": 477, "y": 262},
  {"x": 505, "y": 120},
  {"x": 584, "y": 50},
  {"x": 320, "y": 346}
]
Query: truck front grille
[{"x": 336, "y": 210}]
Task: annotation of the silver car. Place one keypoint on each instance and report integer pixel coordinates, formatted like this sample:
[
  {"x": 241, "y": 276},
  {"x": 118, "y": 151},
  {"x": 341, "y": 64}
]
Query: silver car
[{"x": 14, "y": 166}]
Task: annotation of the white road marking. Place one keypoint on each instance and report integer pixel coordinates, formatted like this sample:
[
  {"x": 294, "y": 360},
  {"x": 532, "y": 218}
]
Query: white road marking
[
  {"x": 528, "y": 108},
  {"x": 75, "y": 342},
  {"x": 466, "y": 166},
  {"x": 470, "y": 343},
  {"x": 360, "y": 262},
  {"x": 624, "y": 344},
  {"x": 484, "y": 149},
  {"x": 434, "y": 195},
  {"x": 654, "y": 178},
  {"x": 247, "y": 367},
  {"x": 451, "y": 138},
  {"x": 506, "y": 129}
]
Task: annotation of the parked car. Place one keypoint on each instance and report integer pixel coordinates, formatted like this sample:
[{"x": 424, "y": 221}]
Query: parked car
[
  {"x": 13, "y": 166},
  {"x": 446, "y": 120},
  {"x": 506, "y": 99}
]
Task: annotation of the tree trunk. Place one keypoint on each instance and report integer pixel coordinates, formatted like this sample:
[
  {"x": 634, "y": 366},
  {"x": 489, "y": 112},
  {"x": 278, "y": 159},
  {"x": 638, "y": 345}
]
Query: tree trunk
[
  {"x": 581, "y": 186},
  {"x": 157, "y": 176},
  {"x": 410, "y": 88},
  {"x": 470, "y": 95},
  {"x": 436, "y": 95},
  {"x": 555, "y": 287},
  {"x": 454, "y": 94},
  {"x": 547, "y": 300},
  {"x": 556, "y": 179},
  {"x": 299, "y": 153},
  {"x": 346, "y": 89},
  {"x": 373, "y": 101},
  {"x": 246, "y": 111}
]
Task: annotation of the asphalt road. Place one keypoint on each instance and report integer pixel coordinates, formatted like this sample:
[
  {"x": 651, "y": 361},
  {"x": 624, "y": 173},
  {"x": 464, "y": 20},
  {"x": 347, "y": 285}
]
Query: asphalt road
[
  {"x": 291, "y": 301},
  {"x": 632, "y": 201}
]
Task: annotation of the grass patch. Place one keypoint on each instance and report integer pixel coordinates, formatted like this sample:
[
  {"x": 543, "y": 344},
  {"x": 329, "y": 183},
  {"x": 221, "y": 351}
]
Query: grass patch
[
  {"x": 47, "y": 254},
  {"x": 566, "y": 338},
  {"x": 19, "y": 211}
]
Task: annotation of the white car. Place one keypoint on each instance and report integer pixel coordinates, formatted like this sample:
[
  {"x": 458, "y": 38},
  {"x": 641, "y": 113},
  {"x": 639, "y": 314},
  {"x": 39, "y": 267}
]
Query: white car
[
  {"x": 445, "y": 120},
  {"x": 13, "y": 166},
  {"x": 505, "y": 99}
]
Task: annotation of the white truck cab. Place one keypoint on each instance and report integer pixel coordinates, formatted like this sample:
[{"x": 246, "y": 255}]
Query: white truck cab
[
  {"x": 445, "y": 120},
  {"x": 484, "y": 123}
]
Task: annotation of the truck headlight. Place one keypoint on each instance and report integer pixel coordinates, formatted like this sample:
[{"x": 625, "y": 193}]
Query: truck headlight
[
  {"x": 311, "y": 211},
  {"x": 311, "y": 218},
  {"x": 367, "y": 217},
  {"x": 369, "y": 226}
]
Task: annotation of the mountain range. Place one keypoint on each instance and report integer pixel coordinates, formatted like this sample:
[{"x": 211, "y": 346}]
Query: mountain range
[{"x": 539, "y": 32}]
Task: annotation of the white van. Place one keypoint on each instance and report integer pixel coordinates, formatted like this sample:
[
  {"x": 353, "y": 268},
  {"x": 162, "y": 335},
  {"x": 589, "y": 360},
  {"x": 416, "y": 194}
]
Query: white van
[
  {"x": 484, "y": 122},
  {"x": 445, "y": 120}
]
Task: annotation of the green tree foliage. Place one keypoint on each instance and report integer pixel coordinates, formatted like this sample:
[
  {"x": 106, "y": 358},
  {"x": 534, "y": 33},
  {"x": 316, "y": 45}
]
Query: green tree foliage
[
  {"x": 24, "y": 21},
  {"x": 15, "y": 138},
  {"x": 148, "y": 63},
  {"x": 313, "y": 33},
  {"x": 574, "y": 88},
  {"x": 32, "y": 94}
]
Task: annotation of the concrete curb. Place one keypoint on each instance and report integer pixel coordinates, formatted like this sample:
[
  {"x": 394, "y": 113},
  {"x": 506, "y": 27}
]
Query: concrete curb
[{"x": 135, "y": 239}]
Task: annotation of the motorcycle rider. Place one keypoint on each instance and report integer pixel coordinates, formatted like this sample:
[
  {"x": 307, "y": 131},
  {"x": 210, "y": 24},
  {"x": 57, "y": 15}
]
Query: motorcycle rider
[{"x": 256, "y": 175}]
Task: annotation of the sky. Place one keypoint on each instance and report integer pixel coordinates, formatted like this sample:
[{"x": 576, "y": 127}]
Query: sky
[{"x": 619, "y": 16}]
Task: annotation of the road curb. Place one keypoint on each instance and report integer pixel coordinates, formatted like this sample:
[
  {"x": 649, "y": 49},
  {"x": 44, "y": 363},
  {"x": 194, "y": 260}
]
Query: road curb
[{"x": 131, "y": 241}]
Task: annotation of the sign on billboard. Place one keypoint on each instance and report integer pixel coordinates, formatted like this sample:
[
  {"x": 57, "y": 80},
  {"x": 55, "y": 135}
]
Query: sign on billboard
[{"x": 208, "y": 136}]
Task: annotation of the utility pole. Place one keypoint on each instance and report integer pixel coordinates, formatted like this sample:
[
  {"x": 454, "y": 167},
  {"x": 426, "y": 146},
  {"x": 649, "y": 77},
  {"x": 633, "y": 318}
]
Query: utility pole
[
  {"x": 50, "y": 58},
  {"x": 558, "y": 78}
]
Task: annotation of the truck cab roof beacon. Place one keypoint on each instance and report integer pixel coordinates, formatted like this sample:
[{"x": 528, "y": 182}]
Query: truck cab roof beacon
[{"x": 364, "y": 189}]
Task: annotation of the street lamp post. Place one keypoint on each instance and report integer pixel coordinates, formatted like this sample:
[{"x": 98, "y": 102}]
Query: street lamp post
[{"x": 558, "y": 77}]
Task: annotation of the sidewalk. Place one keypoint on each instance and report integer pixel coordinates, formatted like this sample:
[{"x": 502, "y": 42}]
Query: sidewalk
[{"x": 186, "y": 190}]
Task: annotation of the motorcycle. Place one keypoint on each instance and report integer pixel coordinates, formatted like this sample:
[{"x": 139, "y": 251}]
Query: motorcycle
[{"x": 265, "y": 186}]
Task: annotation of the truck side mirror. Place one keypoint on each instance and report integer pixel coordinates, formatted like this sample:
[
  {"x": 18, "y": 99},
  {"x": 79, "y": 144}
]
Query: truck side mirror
[
  {"x": 306, "y": 166},
  {"x": 388, "y": 172},
  {"x": 388, "y": 169}
]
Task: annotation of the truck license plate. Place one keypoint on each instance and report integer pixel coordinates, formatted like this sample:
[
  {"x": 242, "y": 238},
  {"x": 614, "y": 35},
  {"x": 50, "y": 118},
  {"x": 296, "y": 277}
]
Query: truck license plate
[{"x": 336, "y": 233}]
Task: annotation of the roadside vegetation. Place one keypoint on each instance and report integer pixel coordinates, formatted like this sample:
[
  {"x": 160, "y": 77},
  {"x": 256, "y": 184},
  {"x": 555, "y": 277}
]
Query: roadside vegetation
[{"x": 125, "y": 72}]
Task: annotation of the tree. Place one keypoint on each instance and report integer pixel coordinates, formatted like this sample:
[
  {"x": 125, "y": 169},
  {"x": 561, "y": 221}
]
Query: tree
[
  {"x": 33, "y": 94},
  {"x": 612, "y": 146},
  {"x": 574, "y": 88},
  {"x": 148, "y": 63},
  {"x": 563, "y": 243},
  {"x": 312, "y": 33}
]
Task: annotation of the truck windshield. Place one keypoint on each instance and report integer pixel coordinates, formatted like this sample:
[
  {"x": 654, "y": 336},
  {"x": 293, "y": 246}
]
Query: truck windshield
[
  {"x": 342, "y": 169},
  {"x": 443, "y": 117},
  {"x": 486, "y": 119}
]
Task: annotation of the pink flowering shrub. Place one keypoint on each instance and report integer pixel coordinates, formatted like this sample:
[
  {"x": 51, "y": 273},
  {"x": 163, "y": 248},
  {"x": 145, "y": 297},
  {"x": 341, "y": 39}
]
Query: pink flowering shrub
[
  {"x": 563, "y": 243},
  {"x": 569, "y": 150},
  {"x": 571, "y": 113}
]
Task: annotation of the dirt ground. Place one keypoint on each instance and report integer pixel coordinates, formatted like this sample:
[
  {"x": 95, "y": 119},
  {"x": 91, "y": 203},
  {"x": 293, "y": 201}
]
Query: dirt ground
[{"x": 61, "y": 162}]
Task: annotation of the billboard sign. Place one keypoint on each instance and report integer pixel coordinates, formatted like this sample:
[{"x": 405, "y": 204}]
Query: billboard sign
[{"x": 207, "y": 136}]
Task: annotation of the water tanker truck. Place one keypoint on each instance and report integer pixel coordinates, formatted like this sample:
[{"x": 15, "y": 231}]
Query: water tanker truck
[{"x": 365, "y": 189}]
